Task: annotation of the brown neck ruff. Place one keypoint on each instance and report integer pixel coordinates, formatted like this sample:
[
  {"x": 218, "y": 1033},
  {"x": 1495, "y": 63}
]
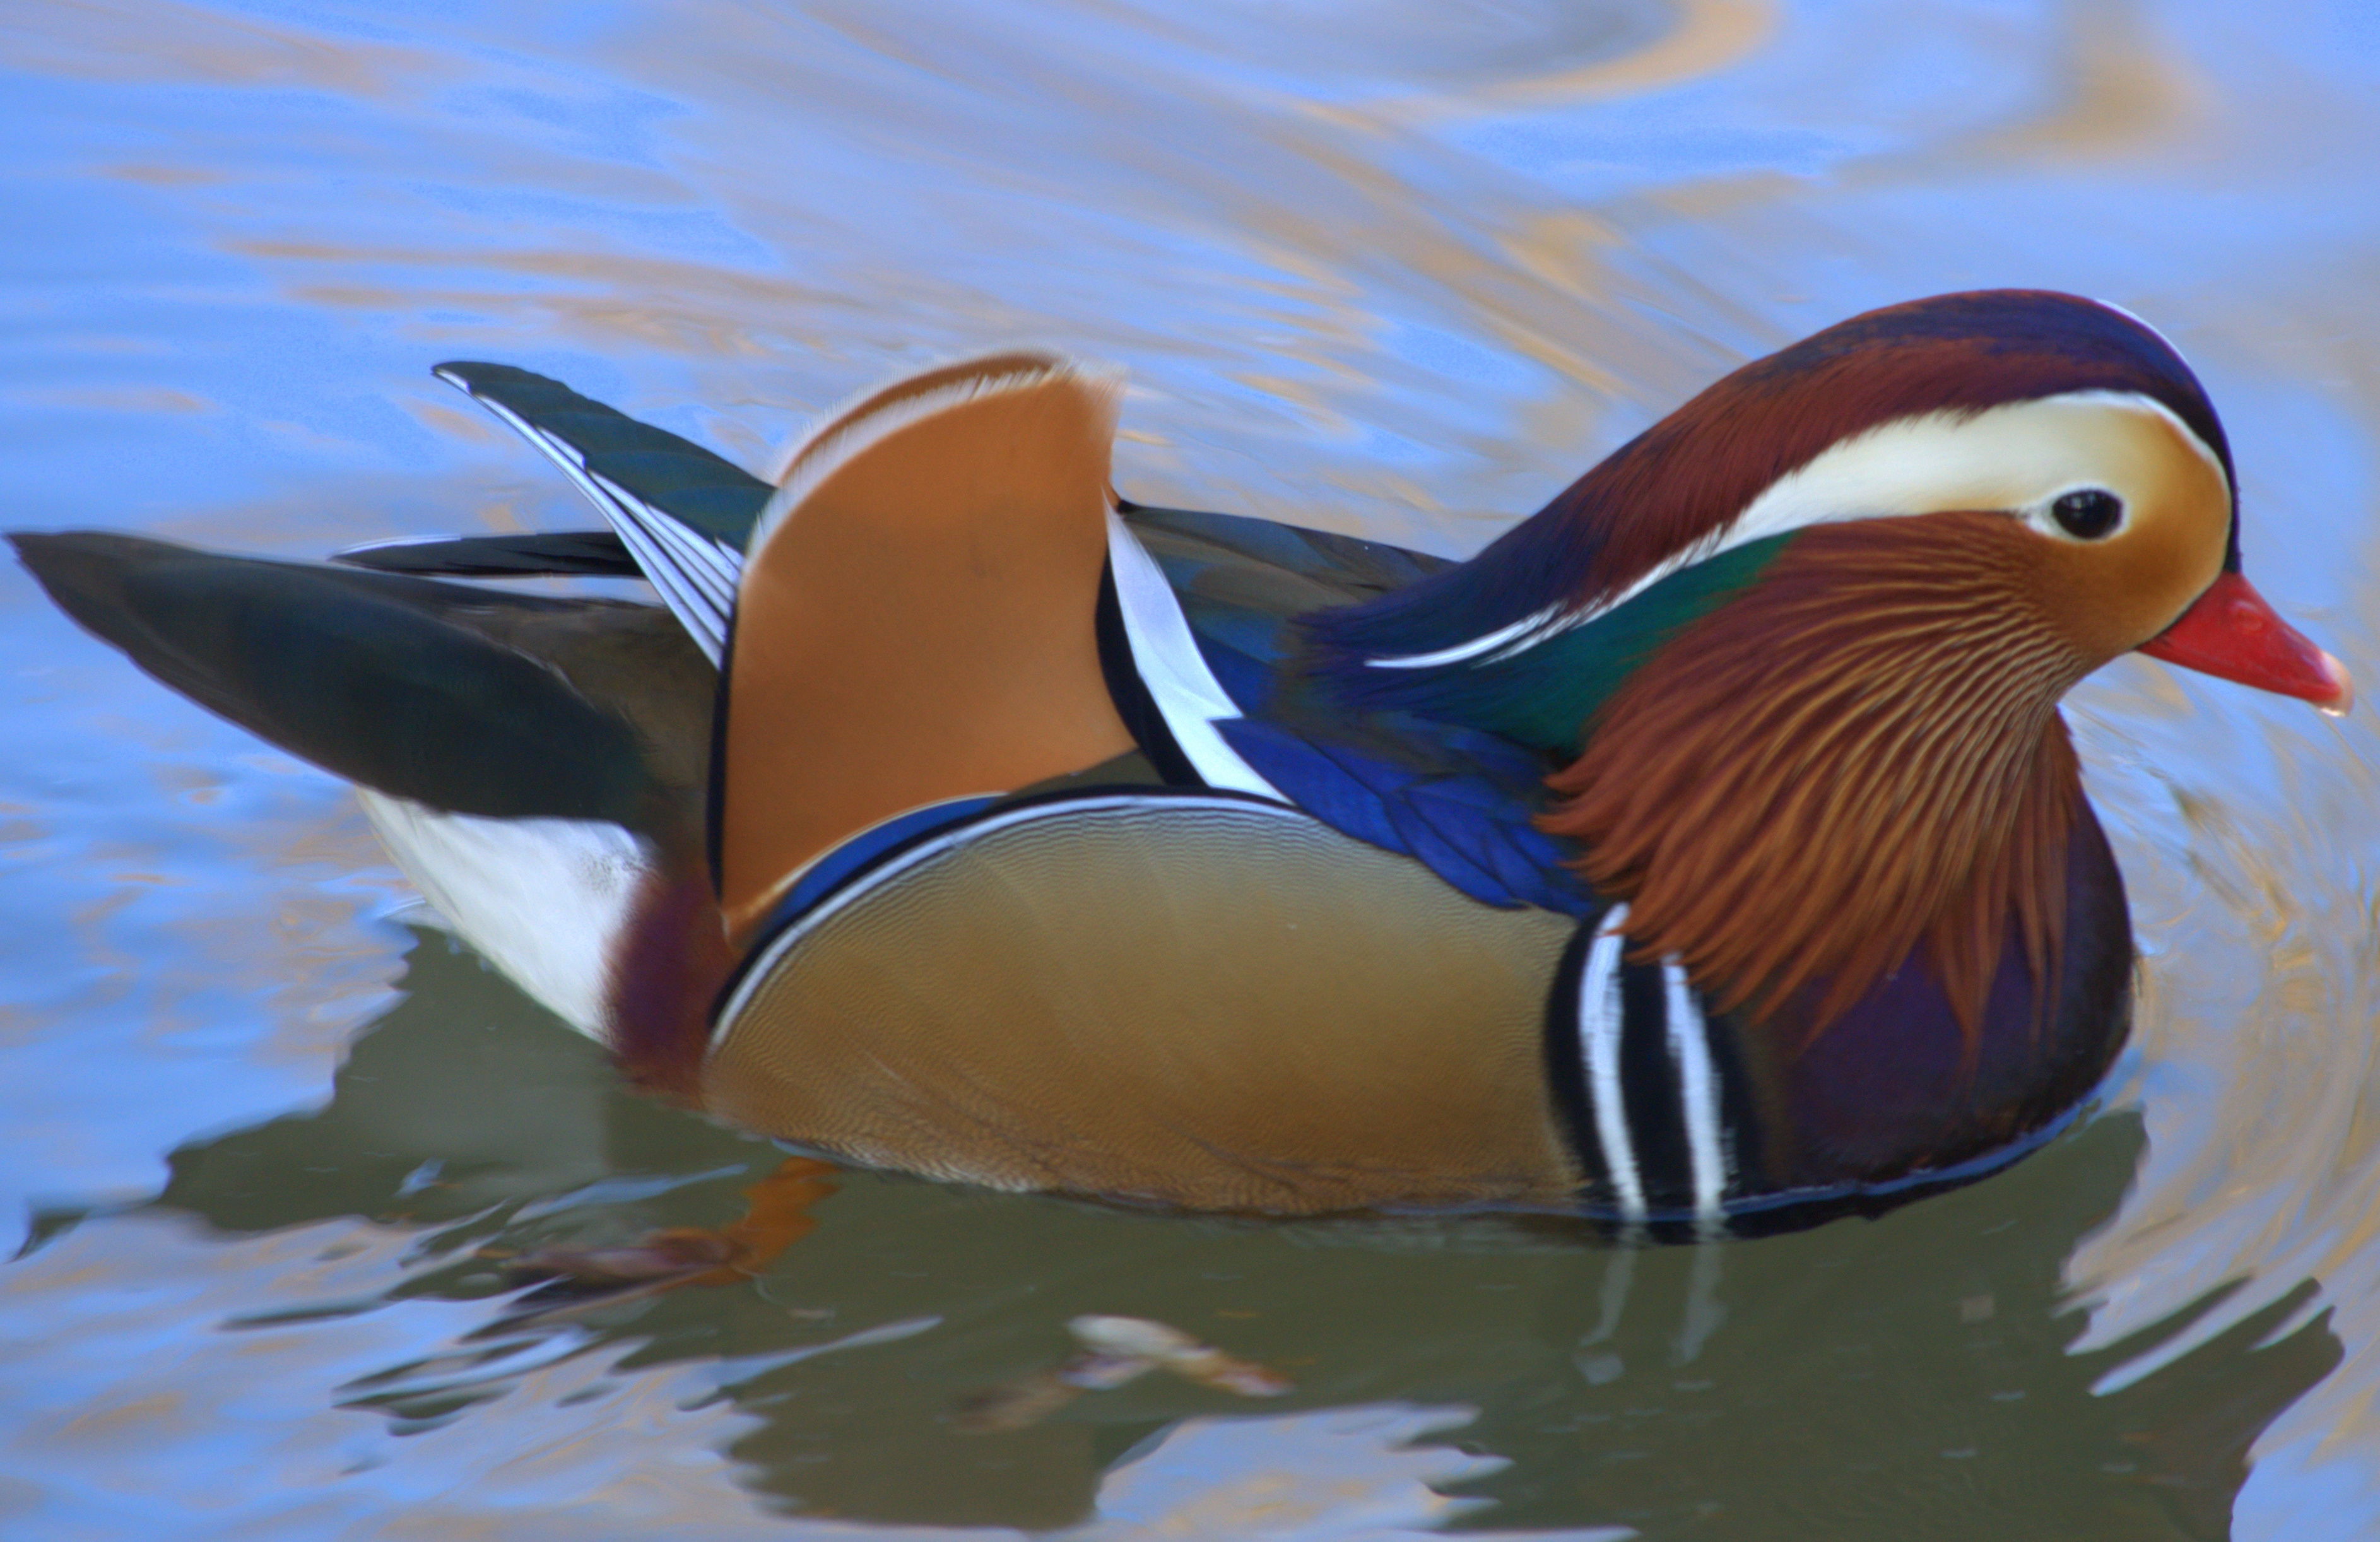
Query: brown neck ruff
[{"x": 1859, "y": 754}]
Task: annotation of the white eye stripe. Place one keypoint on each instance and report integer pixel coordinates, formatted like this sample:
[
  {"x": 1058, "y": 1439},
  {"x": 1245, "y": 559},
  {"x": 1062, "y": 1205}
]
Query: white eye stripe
[{"x": 2019, "y": 456}]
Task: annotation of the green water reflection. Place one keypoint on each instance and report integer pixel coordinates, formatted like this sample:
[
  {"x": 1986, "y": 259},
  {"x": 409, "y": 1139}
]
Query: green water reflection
[
  {"x": 1866, "y": 1380},
  {"x": 1398, "y": 267}
]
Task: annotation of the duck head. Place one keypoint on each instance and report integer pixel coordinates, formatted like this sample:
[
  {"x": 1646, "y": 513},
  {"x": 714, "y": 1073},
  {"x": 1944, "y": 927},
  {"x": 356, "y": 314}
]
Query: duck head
[{"x": 1797, "y": 650}]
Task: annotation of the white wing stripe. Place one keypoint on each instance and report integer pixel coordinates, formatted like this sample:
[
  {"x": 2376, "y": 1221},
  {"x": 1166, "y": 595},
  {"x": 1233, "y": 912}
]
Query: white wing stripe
[
  {"x": 1167, "y": 656},
  {"x": 693, "y": 610},
  {"x": 686, "y": 578},
  {"x": 698, "y": 556}
]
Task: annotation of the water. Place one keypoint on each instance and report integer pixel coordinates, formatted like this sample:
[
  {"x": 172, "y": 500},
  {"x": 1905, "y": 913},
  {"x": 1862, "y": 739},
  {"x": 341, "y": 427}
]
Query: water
[{"x": 1398, "y": 268}]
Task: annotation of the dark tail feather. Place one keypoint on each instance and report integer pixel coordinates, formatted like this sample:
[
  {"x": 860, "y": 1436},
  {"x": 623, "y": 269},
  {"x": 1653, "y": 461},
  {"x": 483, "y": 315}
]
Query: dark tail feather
[
  {"x": 550, "y": 554},
  {"x": 358, "y": 672}
]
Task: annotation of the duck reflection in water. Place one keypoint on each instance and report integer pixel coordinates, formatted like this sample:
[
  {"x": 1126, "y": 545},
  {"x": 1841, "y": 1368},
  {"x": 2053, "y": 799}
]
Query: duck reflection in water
[
  {"x": 1715, "y": 1385},
  {"x": 1708, "y": 855}
]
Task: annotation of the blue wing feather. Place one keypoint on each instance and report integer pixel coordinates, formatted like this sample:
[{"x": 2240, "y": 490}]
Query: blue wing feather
[
  {"x": 1454, "y": 797},
  {"x": 1447, "y": 858},
  {"x": 1464, "y": 816},
  {"x": 1318, "y": 783},
  {"x": 1517, "y": 859}
]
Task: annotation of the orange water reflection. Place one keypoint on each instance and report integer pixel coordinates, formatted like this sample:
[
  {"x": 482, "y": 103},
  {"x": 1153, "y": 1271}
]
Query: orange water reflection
[{"x": 1400, "y": 267}]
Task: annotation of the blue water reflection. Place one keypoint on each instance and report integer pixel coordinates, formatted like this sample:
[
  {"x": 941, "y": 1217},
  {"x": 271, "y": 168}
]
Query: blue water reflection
[{"x": 1396, "y": 267}]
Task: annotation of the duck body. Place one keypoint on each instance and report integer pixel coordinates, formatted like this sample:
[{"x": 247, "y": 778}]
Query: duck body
[{"x": 958, "y": 817}]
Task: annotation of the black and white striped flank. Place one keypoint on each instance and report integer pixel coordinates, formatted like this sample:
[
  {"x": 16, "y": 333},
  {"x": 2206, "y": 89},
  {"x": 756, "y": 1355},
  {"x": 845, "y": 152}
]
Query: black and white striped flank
[{"x": 1646, "y": 1093}]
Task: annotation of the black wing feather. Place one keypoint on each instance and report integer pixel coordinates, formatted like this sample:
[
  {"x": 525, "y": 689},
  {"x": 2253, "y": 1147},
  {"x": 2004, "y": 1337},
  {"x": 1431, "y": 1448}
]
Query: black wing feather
[{"x": 680, "y": 478}]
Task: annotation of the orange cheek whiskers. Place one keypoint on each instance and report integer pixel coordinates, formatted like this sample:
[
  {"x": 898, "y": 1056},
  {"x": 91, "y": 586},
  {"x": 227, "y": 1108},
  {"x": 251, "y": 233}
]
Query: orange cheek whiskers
[{"x": 1900, "y": 786}]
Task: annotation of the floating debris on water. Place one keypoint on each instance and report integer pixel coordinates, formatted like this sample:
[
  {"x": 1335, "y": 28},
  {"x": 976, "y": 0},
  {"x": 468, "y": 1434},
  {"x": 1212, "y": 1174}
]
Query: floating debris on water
[{"x": 1115, "y": 1350}]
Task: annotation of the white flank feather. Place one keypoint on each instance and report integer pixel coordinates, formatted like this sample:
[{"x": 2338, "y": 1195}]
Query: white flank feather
[{"x": 542, "y": 900}]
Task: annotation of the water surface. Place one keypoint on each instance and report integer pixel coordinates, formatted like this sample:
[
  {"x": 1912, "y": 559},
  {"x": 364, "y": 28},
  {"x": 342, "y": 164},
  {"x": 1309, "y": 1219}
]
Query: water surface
[{"x": 1396, "y": 268}]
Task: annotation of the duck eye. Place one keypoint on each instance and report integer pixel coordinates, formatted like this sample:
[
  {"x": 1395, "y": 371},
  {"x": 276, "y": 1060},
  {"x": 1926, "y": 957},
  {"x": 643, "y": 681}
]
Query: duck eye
[{"x": 2088, "y": 515}]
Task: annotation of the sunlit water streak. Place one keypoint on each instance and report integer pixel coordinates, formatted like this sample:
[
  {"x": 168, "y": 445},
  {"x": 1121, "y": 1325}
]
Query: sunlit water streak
[{"x": 1398, "y": 268}]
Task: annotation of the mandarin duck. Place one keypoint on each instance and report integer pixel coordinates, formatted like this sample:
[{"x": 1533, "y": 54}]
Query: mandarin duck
[{"x": 1708, "y": 852}]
